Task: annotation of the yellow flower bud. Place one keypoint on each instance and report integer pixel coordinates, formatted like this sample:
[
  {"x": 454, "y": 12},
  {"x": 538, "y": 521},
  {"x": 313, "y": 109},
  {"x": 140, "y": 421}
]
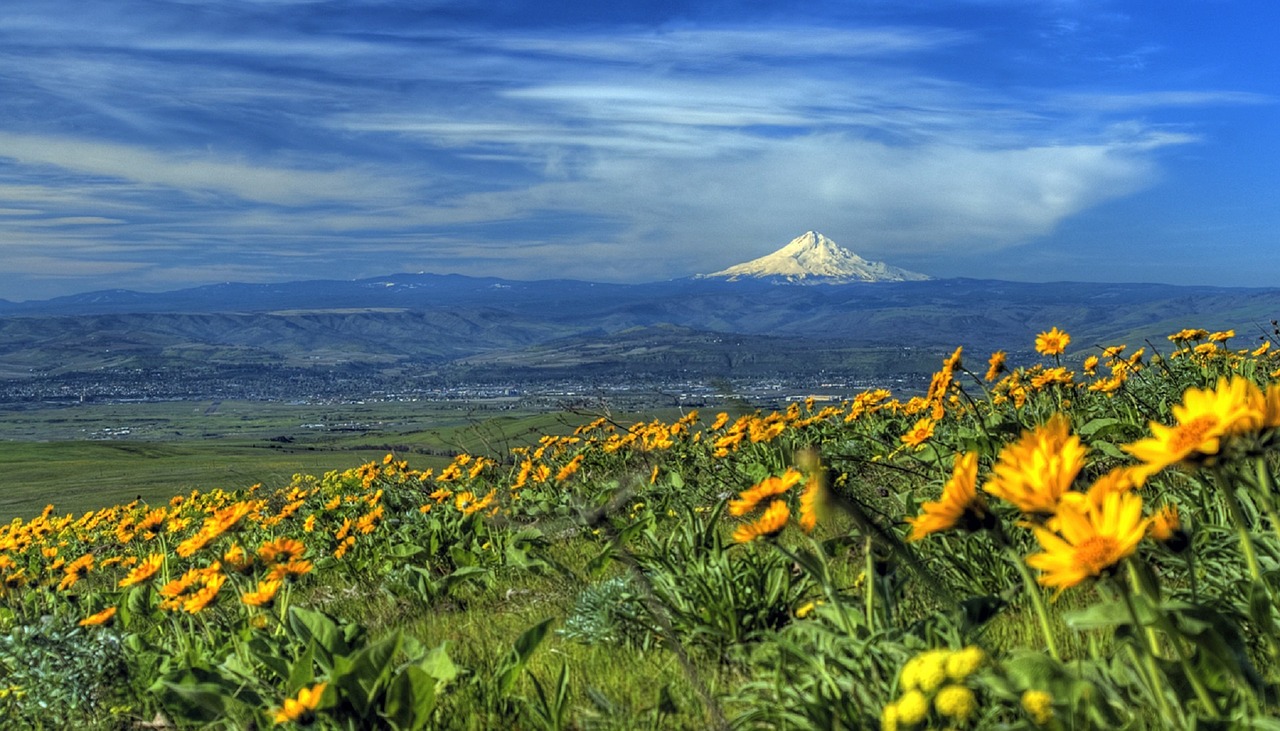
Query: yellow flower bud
[
  {"x": 1039, "y": 706},
  {"x": 963, "y": 663},
  {"x": 912, "y": 707},
  {"x": 956, "y": 701}
]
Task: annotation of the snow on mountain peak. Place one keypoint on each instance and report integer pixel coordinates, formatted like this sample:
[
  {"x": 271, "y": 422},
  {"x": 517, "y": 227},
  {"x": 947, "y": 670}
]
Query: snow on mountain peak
[{"x": 812, "y": 258}]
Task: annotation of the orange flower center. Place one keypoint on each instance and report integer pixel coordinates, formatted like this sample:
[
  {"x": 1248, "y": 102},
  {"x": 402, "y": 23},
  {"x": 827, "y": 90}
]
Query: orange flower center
[
  {"x": 1097, "y": 553},
  {"x": 1192, "y": 435}
]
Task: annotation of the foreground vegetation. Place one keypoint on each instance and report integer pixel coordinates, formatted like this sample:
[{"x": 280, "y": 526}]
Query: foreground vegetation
[{"x": 1092, "y": 545}]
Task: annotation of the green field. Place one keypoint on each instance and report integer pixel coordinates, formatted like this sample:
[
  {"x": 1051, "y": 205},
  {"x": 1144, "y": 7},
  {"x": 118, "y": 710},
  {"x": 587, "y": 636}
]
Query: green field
[{"x": 87, "y": 456}]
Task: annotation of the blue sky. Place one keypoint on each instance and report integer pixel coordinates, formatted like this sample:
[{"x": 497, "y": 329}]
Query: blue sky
[{"x": 160, "y": 144}]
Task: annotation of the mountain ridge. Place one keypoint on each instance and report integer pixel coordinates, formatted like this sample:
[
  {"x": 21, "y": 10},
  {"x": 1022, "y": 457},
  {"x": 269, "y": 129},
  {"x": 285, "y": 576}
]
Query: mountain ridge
[{"x": 429, "y": 318}]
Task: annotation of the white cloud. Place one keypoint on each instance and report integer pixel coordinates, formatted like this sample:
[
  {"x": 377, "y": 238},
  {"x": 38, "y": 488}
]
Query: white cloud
[
  {"x": 72, "y": 221},
  {"x": 197, "y": 173},
  {"x": 682, "y": 45},
  {"x": 1148, "y": 100}
]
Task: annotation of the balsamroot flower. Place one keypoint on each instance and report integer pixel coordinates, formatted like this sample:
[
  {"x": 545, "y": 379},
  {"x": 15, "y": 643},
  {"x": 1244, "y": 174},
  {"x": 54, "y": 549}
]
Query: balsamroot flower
[
  {"x": 961, "y": 505},
  {"x": 281, "y": 550},
  {"x": 203, "y": 597},
  {"x": 995, "y": 365},
  {"x": 1166, "y": 528},
  {"x": 1088, "y": 541},
  {"x": 143, "y": 571},
  {"x": 301, "y": 709},
  {"x": 1203, "y": 418},
  {"x": 264, "y": 595},
  {"x": 1053, "y": 342},
  {"x": 919, "y": 434},
  {"x": 770, "y": 523},
  {"x": 768, "y": 487},
  {"x": 100, "y": 618},
  {"x": 810, "y": 497},
  {"x": 1034, "y": 472}
]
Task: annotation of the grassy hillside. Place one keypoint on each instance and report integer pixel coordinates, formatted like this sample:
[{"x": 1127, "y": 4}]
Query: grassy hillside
[{"x": 1069, "y": 544}]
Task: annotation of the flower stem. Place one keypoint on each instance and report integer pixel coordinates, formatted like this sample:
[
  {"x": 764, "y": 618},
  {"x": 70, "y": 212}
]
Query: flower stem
[
  {"x": 869, "y": 585},
  {"x": 1242, "y": 529},
  {"x": 1144, "y": 587},
  {"x": 1153, "y": 670},
  {"x": 1037, "y": 603}
]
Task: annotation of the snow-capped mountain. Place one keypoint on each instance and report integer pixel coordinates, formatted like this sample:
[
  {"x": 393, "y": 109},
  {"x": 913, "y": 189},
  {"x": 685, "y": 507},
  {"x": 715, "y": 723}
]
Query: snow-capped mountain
[{"x": 815, "y": 259}]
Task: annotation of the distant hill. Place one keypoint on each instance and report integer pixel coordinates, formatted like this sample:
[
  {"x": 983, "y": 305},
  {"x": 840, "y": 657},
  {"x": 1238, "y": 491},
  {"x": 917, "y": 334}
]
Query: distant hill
[{"x": 494, "y": 322}]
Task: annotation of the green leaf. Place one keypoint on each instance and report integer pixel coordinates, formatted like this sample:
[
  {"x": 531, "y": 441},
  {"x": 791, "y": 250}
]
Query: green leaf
[
  {"x": 197, "y": 701},
  {"x": 462, "y": 557},
  {"x": 600, "y": 561},
  {"x": 1096, "y": 425},
  {"x": 1260, "y": 608},
  {"x": 1109, "y": 449},
  {"x": 406, "y": 551},
  {"x": 268, "y": 655},
  {"x": 1033, "y": 670},
  {"x": 312, "y": 626},
  {"x": 518, "y": 557},
  {"x": 1104, "y": 614},
  {"x": 526, "y": 643},
  {"x": 303, "y": 671},
  {"x": 138, "y": 602},
  {"x": 438, "y": 665},
  {"x": 529, "y": 640},
  {"x": 410, "y": 699},
  {"x": 369, "y": 669}
]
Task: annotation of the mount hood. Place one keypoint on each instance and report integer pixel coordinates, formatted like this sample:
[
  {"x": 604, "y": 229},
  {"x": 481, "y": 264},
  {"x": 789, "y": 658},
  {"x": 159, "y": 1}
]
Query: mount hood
[{"x": 815, "y": 259}]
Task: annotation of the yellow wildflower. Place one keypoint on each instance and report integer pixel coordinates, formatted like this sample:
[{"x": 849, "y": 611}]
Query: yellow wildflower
[
  {"x": 1053, "y": 342},
  {"x": 1038, "y": 469},
  {"x": 770, "y": 523},
  {"x": 919, "y": 433},
  {"x": 809, "y": 498},
  {"x": 281, "y": 550},
  {"x": 995, "y": 365},
  {"x": 291, "y": 569},
  {"x": 343, "y": 546},
  {"x": 1089, "y": 541},
  {"x": 143, "y": 571},
  {"x": 301, "y": 709},
  {"x": 766, "y": 488},
  {"x": 99, "y": 618},
  {"x": 196, "y": 603},
  {"x": 569, "y": 469},
  {"x": 963, "y": 663},
  {"x": 889, "y": 718},
  {"x": 264, "y": 595},
  {"x": 961, "y": 505},
  {"x": 1203, "y": 417}
]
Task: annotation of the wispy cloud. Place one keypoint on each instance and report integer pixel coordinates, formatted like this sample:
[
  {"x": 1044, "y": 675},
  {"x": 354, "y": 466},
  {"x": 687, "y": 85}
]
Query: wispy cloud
[
  {"x": 229, "y": 137},
  {"x": 198, "y": 172}
]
